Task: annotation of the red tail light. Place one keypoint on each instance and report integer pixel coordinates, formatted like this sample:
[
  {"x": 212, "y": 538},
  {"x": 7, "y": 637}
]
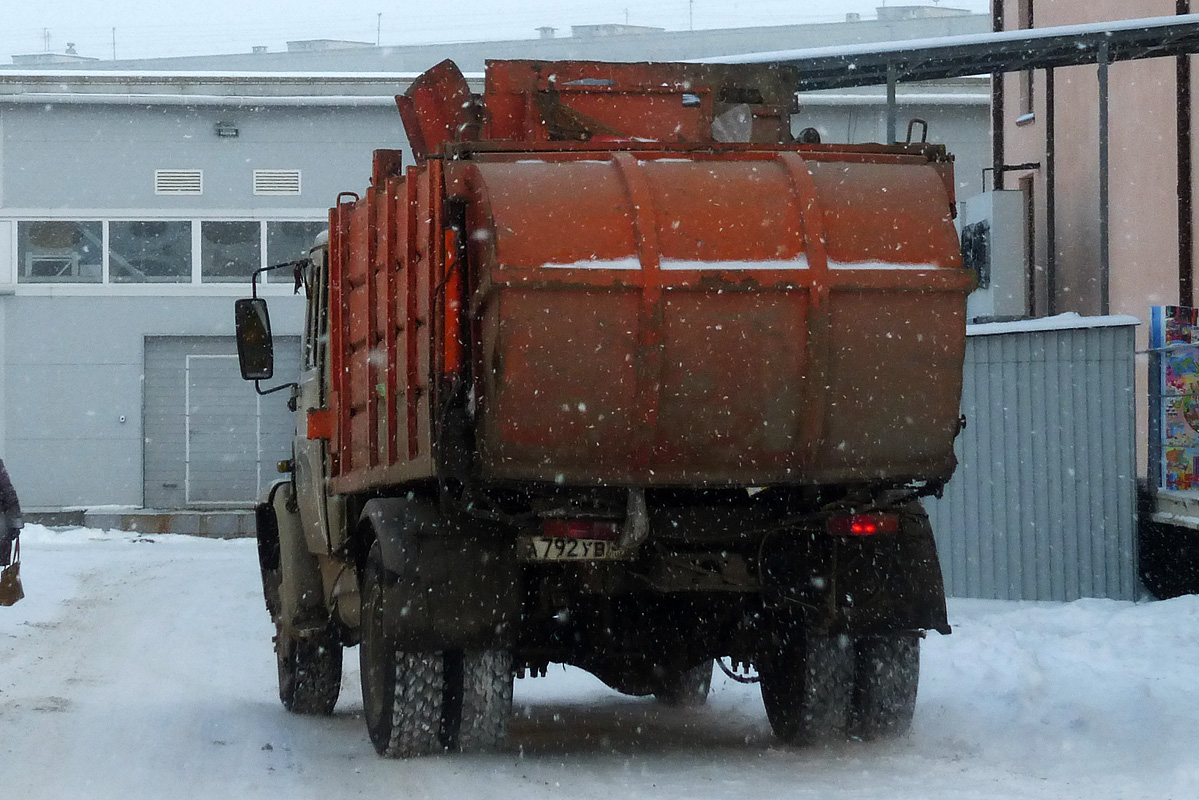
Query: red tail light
[
  {"x": 580, "y": 529},
  {"x": 863, "y": 524}
]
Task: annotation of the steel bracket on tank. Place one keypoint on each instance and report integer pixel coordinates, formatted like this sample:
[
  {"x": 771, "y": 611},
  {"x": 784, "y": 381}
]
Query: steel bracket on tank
[{"x": 819, "y": 318}]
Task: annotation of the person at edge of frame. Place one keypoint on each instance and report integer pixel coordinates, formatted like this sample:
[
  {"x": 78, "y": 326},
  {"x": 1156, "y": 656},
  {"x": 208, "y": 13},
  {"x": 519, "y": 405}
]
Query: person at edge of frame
[{"x": 10, "y": 516}]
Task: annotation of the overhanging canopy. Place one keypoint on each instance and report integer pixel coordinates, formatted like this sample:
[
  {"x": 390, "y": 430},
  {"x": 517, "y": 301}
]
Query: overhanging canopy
[{"x": 1006, "y": 51}]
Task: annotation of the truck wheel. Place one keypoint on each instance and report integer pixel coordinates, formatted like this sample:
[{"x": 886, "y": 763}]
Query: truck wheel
[
  {"x": 886, "y": 676},
  {"x": 687, "y": 689},
  {"x": 479, "y": 703},
  {"x": 401, "y": 691},
  {"x": 806, "y": 688},
  {"x": 309, "y": 671}
]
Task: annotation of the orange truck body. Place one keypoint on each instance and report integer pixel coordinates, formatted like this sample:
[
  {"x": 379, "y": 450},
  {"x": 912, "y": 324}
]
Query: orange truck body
[{"x": 634, "y": 303}]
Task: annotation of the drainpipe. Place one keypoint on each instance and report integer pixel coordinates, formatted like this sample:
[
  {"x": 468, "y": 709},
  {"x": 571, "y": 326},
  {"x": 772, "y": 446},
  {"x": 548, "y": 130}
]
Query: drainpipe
[
  {"x": 997, "y": 78},
  {"x": 1104, "y": 186},
  {"x": 892, "y": 108},
  {"x": 1186, "y": 240}
]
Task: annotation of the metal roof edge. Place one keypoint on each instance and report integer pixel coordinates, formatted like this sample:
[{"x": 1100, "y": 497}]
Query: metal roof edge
[
  {"x": 1003, "y": 51},
  {"x": 1070, "y": 320},
  {"x": 82, "y": 82},
  {"x": 105, "y": 75},
  {"x": 173, "y": 99},
  {"x": 143, "y": 87}
]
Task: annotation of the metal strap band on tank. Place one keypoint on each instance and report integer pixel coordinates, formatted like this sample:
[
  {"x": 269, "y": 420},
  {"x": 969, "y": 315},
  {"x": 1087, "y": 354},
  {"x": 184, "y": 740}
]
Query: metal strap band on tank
[
  {"x": 815, "y": 394},
  {"x": 811, "y": 219},
  {"x": 650, "y": 358}
]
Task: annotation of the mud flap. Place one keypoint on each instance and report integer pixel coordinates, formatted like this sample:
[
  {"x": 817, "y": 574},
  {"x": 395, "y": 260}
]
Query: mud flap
[
  {"x": 859, "y": 585},
  {"x": 455, "y": 584},
  {"x": 892, "y": 583}
]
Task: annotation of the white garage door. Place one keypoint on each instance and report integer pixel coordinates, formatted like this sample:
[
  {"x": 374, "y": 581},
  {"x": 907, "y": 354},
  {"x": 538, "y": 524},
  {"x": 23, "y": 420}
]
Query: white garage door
[{"x": 211, "y": 440}]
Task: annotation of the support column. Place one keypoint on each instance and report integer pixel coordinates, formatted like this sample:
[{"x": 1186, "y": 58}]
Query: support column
[
  {"x": 892, "y": 109},
  {"x": 1050, "y": 196},
  {"x": 997, "y": 108},
  {"x": 1186, "y": 234}
]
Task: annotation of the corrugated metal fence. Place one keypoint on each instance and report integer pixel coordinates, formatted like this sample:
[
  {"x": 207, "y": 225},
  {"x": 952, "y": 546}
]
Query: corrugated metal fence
[{"x": 1042, "y": 506}]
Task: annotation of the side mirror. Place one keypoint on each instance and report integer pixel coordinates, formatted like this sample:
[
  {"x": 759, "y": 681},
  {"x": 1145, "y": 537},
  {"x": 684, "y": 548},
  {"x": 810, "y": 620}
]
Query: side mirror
[{"x": 255, "y": 350}]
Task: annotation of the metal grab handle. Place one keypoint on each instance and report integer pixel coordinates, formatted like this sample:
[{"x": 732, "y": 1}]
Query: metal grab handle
[{"x": 912, "y": 123}]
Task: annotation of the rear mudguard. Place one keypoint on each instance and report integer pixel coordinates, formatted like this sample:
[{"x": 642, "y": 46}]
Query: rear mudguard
[
  {"x": 894, "y": 584},
  {"x": 859, "y": 585},
  {"x": 452, "y": 583}
]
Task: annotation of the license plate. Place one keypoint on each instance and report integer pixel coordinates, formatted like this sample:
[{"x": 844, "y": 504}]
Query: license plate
[{"x": 546, "y": 548}]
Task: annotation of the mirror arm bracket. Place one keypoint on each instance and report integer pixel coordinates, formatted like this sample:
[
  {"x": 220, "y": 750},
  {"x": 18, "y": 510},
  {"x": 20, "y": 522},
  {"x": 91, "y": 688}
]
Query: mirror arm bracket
[
  {"x": 296, "y": 266},
  {"x": 258, "y": 388}
]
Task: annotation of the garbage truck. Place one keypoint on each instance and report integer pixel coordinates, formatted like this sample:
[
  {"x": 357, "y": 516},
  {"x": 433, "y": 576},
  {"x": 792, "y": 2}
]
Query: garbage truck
[{"x": 610, "y": 369}]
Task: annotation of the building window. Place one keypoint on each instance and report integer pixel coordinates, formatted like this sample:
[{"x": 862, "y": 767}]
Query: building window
[
  {"x": 159, "y": 251},
  {"x": 976, "y": 251},
  {"x": 1024, "y": 17},
  {"x": 229, "y": 251},
  {"x": 289, "y": 241},
  {"x": 149, "y": 251},
  {"x": 60, "y": 251}
]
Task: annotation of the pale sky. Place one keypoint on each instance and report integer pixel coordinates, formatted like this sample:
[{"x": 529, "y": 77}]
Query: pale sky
[{"x": 146, "y": 29}]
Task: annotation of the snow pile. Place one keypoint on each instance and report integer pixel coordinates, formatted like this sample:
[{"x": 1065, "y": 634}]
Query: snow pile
[{"x": 1096, "y": 692}]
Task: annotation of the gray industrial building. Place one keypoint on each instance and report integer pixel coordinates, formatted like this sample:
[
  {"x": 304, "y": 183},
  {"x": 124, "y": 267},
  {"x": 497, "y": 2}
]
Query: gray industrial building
[
  {"x": 136, "y": 198},
  {"x": 132, "y": 212}
]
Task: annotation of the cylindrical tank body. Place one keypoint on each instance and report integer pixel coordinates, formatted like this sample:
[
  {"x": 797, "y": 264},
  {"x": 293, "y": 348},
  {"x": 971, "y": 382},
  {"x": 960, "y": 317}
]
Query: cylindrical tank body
[{"x": 739, "y": 316}]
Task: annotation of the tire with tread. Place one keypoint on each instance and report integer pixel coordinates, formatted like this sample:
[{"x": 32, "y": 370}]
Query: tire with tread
[
  {"x": 689, "y": 688},
  {"x": 402, "y": 692},
  {"x": 309, "y": 671},
  {"x": 886, "y": 677},
  {"x": 479, "y": 700},
  {"x": 807, "y": 686}
]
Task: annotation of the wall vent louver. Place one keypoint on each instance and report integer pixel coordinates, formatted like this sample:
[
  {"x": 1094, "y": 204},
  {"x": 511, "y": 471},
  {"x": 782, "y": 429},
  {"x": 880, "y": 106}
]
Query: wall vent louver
[
  {"x": 277, "y": 181},
  {"x": 178, "y": 181}
]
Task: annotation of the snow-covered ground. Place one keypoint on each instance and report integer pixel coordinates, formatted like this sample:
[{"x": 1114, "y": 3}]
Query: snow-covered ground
[{"x": 141, "y": 667}]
